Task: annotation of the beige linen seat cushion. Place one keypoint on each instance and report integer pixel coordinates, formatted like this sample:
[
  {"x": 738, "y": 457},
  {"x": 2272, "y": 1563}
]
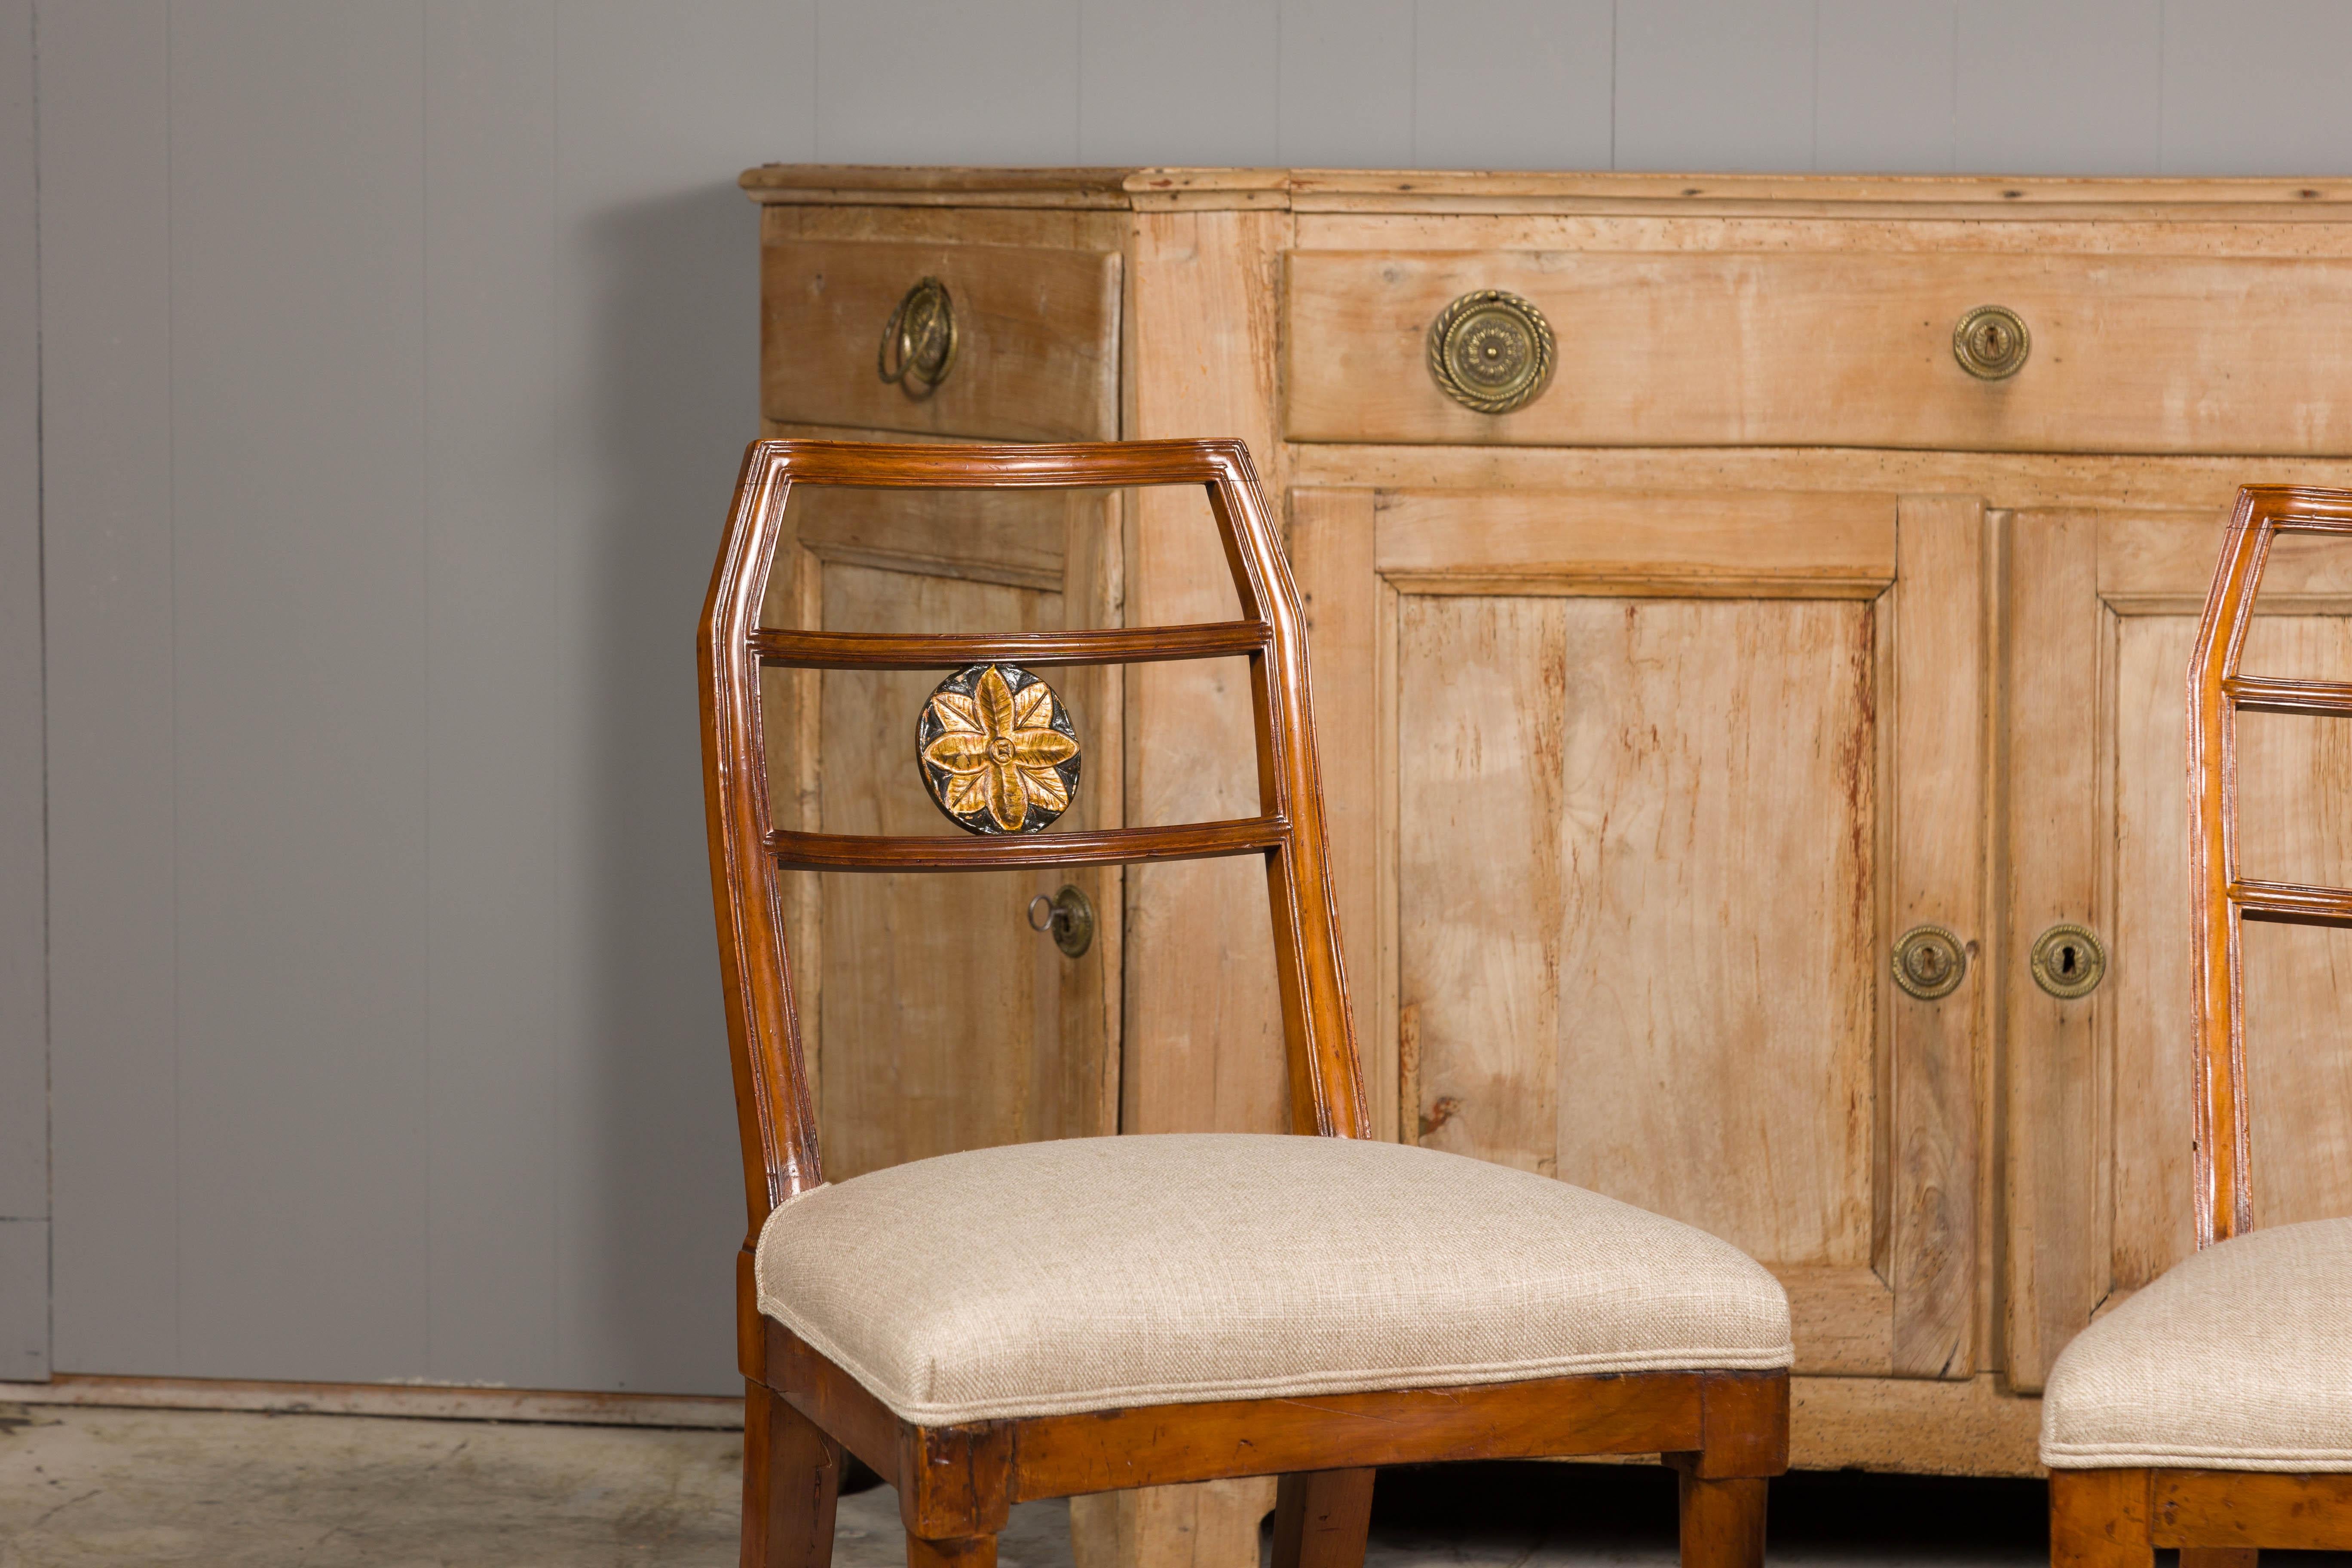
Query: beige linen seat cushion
[
  {"x": 2238, "y": 1359},
  {"x": 1102, "y": 1272}
]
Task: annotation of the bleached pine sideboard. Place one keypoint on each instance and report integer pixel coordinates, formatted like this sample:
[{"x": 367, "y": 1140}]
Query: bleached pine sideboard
[{"x": 1828, "y": 582}]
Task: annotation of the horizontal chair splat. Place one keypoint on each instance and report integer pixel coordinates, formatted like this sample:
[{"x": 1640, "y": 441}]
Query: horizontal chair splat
[
  {"x": 2263, "y": 694},
  {"x": 873, "y": 852},
  {"x": 2293, "y": 903},
  {"x": 1039, "y": 650}
]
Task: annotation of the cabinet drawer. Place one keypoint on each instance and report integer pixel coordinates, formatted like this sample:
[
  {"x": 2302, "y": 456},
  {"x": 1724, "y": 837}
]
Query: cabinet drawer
[
  {"x": 1036, "y": 339},
  {"x": 1850, "y": 349}
]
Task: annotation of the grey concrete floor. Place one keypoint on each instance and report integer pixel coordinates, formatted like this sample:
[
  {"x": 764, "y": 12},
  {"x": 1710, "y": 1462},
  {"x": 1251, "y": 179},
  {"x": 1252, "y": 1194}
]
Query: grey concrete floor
[{"x": 133, "y": 1488}]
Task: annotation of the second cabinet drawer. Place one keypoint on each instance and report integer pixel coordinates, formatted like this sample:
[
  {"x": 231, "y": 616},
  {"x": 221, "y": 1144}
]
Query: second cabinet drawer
[{"x": 1849, "y": 349}]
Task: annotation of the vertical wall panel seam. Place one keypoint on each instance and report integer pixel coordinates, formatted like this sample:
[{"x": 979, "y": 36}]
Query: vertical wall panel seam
[
  {"x": 41, "y": 610},
  {"x": 1813, "y": 151},
  {"x": 2163, "y": 52},
  {"x": 41, "y": 616},
  {"x": 424, "y": 549},
  {"x": 1413, "y": 97},
  {"x": 171, "y": 575},
  {"x": 1952, "y": 115},
  {"x": 554, "y": 619},
  {"x": 1616, "y": 33},
  {"x": 556, "y": 923}
]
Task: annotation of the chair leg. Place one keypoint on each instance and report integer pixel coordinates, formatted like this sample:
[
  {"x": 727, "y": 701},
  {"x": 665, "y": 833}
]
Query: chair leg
[
  {"x": 2099, "y": 1518},
  {"x": 792, "y": 1474},
  {"x": 973, "y": 1552},
  {"x": 1723, "y": 1522},
  {"x": 1321, "y": 1517}
]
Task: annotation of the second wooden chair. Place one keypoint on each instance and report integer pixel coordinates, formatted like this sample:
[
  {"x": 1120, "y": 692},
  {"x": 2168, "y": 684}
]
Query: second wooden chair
[{"x": 2213, "y": 1411}]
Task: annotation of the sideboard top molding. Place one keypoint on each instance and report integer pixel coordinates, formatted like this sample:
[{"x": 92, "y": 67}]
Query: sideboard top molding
[{"x": 1372, "y": 191}]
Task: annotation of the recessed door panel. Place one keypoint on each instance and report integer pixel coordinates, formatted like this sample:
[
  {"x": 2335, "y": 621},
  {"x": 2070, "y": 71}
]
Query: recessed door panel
[
  {"x": 1652, "y": 787},
  {"x": 1650, "y": 783}
]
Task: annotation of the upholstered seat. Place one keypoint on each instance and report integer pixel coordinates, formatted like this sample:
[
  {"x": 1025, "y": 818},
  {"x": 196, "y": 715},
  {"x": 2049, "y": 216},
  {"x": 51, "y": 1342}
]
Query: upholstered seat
[
  {"x": 2238, "y": 1359},
  {"x": 1101, "y": 1272}
]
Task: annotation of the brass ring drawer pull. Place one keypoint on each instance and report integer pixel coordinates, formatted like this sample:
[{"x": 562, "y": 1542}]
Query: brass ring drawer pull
[
  {"x": 1491, "y": 352},
  {"x": 1991, "y": 342},
  {"x": 918, "y": 343},
  {"x": 2068, "y": 961},
  {"x": 1929, "y": 963}
]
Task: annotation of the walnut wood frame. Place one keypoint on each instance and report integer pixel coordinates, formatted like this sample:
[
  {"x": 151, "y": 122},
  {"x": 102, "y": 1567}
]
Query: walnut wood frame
[
  {"x": 2221, "y": 1519},
  {"x": 1726, "y": 1431}
]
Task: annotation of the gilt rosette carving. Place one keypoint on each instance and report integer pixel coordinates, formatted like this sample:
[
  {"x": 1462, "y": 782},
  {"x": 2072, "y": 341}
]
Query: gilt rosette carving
[{"x": 997, "y": 750}]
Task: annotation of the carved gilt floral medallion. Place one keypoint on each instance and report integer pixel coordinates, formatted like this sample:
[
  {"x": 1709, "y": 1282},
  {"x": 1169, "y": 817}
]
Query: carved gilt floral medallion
[{"x": 997, "y": 750}]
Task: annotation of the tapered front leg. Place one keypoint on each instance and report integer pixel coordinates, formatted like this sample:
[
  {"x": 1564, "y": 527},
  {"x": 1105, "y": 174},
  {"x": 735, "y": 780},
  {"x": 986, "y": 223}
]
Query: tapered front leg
[
  {"x": 1321, "y": 1517},
  {"x": 1723, "y": 1522},
  {"x": 792, "y": 1474},
  {"x": 2099, "y": 1518}
]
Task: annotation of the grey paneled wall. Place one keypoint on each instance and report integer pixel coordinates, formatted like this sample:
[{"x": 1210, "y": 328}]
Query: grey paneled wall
[
  {"x": 24, "y": 1026},
  {"x": 395, "y": 359},
  {"x": 2115, "y": 87},
  {"x": 396, "y": 382}
]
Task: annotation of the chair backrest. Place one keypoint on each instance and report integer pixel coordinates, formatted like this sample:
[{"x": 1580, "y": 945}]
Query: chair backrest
[
  {"x": 2221, "y": 899},
  {"x": 773, "y": 1103}
]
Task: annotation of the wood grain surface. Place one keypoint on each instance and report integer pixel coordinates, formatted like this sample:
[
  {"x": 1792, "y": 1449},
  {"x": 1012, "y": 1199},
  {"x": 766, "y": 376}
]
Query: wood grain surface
[
  {"x": 1321, "y": 1517},
  {"x": 1037, "y": 329},
  {"x": 1703, "y": 350},
  {"x": 2030, "y": 554},
  {"x": 1936, "y": 1050},
  {"x": 2052, "y": 859}
]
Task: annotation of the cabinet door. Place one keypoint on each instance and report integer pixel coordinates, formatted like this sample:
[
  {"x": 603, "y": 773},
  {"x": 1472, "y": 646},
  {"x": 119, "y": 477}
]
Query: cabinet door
[
  {"x": 2105, "y": 607},
  {"x": 937, "y": 1019},
  {"x": 1633, "y": 794}
]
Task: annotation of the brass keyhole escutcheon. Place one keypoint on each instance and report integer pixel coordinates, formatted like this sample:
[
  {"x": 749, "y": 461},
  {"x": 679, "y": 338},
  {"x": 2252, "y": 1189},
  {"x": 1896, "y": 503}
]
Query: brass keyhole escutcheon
[
  {"x": 1069, "y": 916},
  {"x": 1491, "y": 352},
  {"x": 1991, "y": 342},
  {"x": 2068, "y": 961},
  {"x": 918, "y": 342},
  {"x": 1929, "y": 963}
]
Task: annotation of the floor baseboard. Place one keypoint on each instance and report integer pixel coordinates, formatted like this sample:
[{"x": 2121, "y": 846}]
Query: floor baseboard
[{"x": 426, "y": 1401}]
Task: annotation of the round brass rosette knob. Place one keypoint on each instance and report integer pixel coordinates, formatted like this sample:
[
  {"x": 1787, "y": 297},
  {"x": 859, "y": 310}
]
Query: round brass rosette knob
[
  {"x": 1991, "y": 342},
  {"x": 997, "y": 751},
  {"x": 918, "y": 342},
  {"x": 1491, "y": 350}
]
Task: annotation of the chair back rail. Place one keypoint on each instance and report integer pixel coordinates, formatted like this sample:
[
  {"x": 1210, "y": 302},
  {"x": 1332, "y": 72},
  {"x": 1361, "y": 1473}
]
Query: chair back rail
[
  {"x": 2221, "y": 899},
  {"x": 775, "y": 1107},
  {"x": 1030, "y": 650}
]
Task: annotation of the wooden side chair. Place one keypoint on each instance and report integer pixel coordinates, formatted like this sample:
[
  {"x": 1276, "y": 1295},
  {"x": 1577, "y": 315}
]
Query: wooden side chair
[
  {"x": 2213, "y": 1411},
  {"x": 1054, "y": 1319}
]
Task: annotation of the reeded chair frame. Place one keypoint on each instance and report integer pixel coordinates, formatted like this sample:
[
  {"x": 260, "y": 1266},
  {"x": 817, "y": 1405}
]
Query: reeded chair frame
[
  {"x": 1726, "y": 1431},
  {"x": 2221, "y": 1519}
]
